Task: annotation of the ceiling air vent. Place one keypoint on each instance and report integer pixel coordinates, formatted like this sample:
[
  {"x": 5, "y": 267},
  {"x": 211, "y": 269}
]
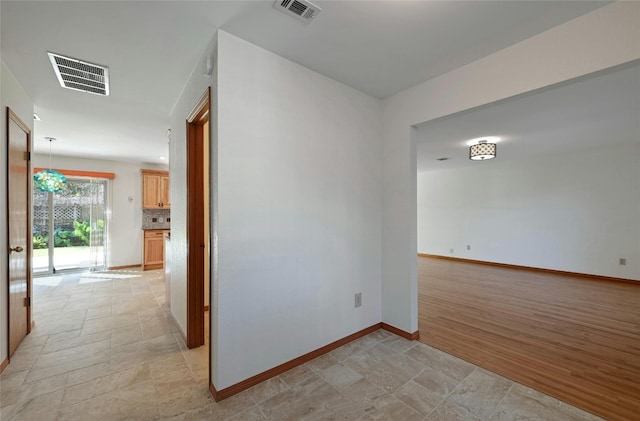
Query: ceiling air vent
[
  {"x": 80, "y": 75},
  {"x": 302, "y": 10}
]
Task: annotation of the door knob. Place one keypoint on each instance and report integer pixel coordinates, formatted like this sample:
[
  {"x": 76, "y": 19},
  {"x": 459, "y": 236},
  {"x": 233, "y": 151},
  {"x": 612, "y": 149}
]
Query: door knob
[{"x": 17, "y": 249}]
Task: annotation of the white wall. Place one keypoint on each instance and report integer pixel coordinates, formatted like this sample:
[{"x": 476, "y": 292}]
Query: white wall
[
  {"x": 601, "y": 39},
  {"x": 125, "y": 221},
  {"x": 299, "y": 198},
  {"x": 11, "y": 95},
  {"x": 574, "y": 212}
]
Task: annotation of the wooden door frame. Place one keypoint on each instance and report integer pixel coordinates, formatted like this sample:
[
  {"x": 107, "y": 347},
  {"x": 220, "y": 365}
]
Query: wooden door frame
[
  {"x": 13, "y": 117},
  {"x": 198, "y": 116}
]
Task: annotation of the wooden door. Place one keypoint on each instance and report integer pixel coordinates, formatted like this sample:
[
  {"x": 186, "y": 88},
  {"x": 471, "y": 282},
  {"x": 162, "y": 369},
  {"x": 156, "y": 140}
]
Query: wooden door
[{"x": 18, "y": 191}]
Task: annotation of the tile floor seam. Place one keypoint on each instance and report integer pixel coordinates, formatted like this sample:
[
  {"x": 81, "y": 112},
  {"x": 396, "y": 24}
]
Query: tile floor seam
[
  {"x": 36, "y": 359},
  {"x": 422, "y": 366},
  {"x": 406, "y": 384},
  {"x": 193, "y": 375},
  {"x": 452, "y": 390},
  {"x": 501, "y": 400},
  {"x": 415, "y": 343},
  {"x": 257, "y": 405},
  {"x": 139, "y": 323}
]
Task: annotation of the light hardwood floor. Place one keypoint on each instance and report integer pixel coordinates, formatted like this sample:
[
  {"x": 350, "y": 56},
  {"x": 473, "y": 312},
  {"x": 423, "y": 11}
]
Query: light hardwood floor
[{"x": 571, "y": 337}]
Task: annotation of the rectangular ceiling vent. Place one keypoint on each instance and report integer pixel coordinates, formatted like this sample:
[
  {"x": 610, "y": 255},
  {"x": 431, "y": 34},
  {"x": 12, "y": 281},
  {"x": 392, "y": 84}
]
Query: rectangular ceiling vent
[
  {"x": 80, "y": 75},
  {"x": 303, "y": 10}
]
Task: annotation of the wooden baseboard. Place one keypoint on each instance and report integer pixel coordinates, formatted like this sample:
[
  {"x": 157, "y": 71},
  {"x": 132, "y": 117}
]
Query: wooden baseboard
[
  {"x": 415, "y": 336},
  {"x": 152, "y": 267},
  {"x": 4, "y": 365},
  {"x": 213, "y": 391},
  {"x": 219, "y": 395},
  {"x": 510, "y": 266},
  {"x": 123, "y": 267}
]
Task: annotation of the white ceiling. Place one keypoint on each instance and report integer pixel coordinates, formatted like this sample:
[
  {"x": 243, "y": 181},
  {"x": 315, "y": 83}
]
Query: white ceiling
[
  {"x": 593, "y": 111},
  {"x": 379, "y": 47}
]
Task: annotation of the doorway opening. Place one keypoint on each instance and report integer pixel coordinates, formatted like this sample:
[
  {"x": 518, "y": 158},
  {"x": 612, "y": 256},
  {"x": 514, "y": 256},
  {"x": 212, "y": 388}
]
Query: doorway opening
[
  {"x": 198, "y": 231},
  {"x": 69, "y": 227}
]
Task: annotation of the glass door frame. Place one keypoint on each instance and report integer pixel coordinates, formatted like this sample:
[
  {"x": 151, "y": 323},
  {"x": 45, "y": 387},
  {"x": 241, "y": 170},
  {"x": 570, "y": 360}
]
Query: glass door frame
[{"x": 51, "y": 269}]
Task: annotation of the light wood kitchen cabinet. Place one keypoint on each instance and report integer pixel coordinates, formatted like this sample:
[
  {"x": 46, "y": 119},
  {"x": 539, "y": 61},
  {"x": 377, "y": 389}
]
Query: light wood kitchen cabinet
[
  {"x": 164, "y": 191},
  {"x": 155, "y": 189},
  {"x": 154, "y": 249}
]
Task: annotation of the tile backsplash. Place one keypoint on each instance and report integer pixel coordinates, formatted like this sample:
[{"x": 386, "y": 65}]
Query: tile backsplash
[{"x": 156, "y": 219}]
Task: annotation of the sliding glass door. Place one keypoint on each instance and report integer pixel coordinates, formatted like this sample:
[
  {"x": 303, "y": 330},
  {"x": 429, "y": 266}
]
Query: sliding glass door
[{"x": 69, "y": 227}]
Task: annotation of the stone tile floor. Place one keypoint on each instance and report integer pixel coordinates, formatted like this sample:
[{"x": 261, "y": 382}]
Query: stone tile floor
[{"x": 104, "y": 349}]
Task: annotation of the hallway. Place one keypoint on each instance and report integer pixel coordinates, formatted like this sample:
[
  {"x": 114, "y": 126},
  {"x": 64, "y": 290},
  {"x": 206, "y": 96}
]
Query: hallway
[{"x": 103, "y": 348}]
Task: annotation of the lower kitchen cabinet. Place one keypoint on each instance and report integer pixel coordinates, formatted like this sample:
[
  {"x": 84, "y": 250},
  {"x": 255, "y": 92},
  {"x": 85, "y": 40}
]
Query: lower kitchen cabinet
[{"x": 154, "y": 249}]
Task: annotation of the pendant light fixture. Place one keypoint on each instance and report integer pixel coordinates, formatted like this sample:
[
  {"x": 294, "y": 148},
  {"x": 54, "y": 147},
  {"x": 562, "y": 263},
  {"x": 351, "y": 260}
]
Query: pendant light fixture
[{"x": 49, "y": 180}]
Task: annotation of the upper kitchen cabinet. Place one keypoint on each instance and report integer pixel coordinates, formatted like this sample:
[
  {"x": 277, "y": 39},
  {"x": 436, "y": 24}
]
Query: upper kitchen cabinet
[{"x": 155, "y": 189}]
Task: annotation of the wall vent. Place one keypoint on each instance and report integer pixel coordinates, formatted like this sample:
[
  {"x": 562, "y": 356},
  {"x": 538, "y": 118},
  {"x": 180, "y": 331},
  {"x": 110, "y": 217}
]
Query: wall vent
[
  {"x": 80, "y": 75},
  {"x": 303, "y": 10}
]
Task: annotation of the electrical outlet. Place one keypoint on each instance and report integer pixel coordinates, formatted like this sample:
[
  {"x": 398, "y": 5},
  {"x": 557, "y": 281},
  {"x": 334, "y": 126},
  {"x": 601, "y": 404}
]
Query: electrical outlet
[
  {"x": 451, "y": 251},
  {"x": 468, "y": 247},
  {"x": 358, "y": 299},
  {"x": 623, "y": 261}
]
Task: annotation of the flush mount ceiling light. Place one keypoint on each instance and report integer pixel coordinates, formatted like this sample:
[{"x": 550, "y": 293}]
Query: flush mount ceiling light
[
  {"x": 482, "y": 151},
  {"x": 80, "y": 75},
  {"x": 489, "y": 139},
  {"x": 49, "y": 180}
]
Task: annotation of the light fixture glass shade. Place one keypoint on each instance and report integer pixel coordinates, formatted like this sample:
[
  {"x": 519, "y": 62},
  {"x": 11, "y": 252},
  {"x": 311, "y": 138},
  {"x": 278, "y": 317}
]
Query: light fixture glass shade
[
  {"x": 49, "y": 180},
  {"x": 482, "y": 151}
]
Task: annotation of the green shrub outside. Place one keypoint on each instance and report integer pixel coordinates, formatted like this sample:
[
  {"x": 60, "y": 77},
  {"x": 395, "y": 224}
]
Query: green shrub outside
[
  {"x": 40, "y": 242},
  {"x": 80, "y": 235}
]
